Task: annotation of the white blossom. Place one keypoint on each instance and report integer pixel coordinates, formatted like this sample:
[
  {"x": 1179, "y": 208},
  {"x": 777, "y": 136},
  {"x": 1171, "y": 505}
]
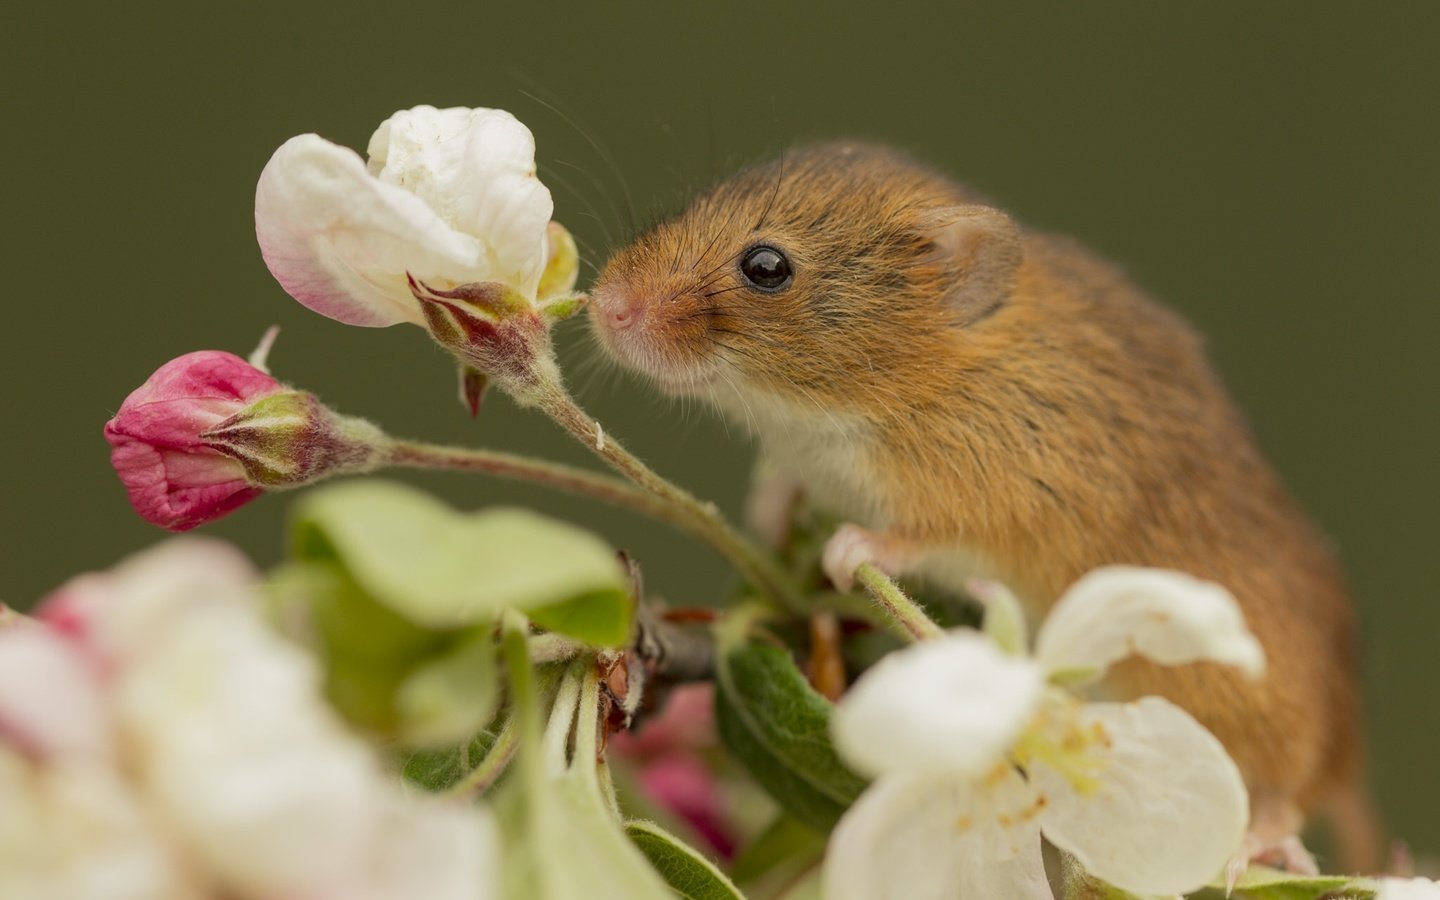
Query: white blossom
[
  {"x": 963, "y": 705},
  {"x": 185, "y": 750},
  {"x": 41, "y": 674},
  {"x": 449, "y": 196},
  {"x": 975, "y": 755},
  {"x": 1408, "y": 889},
  {"x": 75, "y": 828},
  {"x": 1170, "y": 617}
]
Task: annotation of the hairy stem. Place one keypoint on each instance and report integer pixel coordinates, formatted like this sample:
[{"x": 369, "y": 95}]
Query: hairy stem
[
  {"x": 524, "y": 704},
  {"x": 478, "y": 780},
  {"x": 417, "y": 455},
  {"x": 588, "y": 754},
  {"x": 899, "y": 607},
  {"x": 650, "y": 495},
  {"x": 701, "y": 519},
  {"x": 556, "y": 742}
]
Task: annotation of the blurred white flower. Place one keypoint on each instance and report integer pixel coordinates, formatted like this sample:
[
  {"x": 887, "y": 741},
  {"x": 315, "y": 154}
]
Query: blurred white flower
[
  {"x": 449, "y": 196},
  {"x": 176, "y": 747},
  {"x": 73, "y": 828},
  {"x": 976, "y": 753},
  {"x": 50, "y": 704},
  {"x": 1408, "y": 889}
]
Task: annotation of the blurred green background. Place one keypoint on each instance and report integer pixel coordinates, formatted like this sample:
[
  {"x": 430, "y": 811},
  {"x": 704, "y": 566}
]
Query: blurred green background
[{"x": 1272, "y": 170}]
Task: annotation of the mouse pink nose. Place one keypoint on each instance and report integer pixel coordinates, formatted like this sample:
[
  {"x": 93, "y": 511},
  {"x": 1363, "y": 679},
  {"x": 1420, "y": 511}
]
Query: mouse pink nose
[{"x": 622, "y": 314}]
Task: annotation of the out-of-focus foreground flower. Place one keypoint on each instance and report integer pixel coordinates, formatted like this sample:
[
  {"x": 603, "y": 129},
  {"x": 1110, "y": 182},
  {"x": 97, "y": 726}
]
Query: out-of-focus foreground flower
[
  {"x": 158, "y": 741},
  {"x": 209, "y": 432},
  {"x": 1408, "y": 889},
  {"x": 669, "y": 754},
  {"x": 446, "y": 226},
  {"x": 976, "y": 751}
]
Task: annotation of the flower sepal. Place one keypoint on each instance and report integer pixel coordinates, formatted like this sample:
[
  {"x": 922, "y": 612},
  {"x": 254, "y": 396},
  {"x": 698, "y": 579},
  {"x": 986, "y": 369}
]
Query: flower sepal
[
  {"x": 290, "y": 438},
  {"x": 563, "y": 307},
  {"x": 493, "y": 330},
  {"x": 473, "y": 385}
]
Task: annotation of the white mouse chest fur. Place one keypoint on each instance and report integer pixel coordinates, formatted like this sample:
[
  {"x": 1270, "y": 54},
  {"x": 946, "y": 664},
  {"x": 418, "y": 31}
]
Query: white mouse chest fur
[{"x": 824, "y": 453}]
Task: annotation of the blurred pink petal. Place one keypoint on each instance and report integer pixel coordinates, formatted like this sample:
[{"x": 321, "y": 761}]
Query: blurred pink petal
[
  {"x": 686, "y": 723},
  {"x": 685, "y": 786},
  {"x": 49, "y": 701},
  {"x": 667, "y": 752}
]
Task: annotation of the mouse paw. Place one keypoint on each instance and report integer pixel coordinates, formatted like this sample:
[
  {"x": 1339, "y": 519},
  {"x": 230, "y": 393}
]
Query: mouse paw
[
  {"x": 1285, "y": 853},
  {"x": 851, "y": 546},
  {"x": 848, "y": 549}
]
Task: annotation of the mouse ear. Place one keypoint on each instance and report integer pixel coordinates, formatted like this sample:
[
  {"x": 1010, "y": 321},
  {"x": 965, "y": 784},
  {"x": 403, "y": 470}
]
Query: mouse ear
[{"x": 981, "y": 247}]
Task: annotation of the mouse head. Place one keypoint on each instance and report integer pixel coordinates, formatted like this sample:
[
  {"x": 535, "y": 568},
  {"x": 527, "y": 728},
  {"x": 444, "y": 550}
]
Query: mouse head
[{"x": 820, "y": 277}]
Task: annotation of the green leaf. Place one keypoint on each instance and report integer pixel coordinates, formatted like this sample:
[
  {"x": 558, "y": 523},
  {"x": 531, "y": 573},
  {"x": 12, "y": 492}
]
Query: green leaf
[
  {"x": 366, "y": 649},
  {"x": 449, "y": 698},
  {"x": 438, "y": 568},
  {"x": 786, "y": 844},
  {"x": 1259, "y": 883},
  {"x": 689, "y": 874},
  {"x": 808, "y": 887},
  {"x": 437, "y": 769},
  {"x": 561, "y": 843},
  {"x": 779, "y": 728},
  {"x": 601, "y": 618}
]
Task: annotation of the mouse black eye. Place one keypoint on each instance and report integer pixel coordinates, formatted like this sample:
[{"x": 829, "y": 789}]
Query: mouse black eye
[{"x": 766, "y": 268}]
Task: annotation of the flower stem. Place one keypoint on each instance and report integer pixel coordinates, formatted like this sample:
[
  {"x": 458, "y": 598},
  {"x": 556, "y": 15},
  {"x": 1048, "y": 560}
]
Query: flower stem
[
  {"x": 654, "y": 497},
  {"x": 587, "y": 734},
  {"x": 900, "y": 608},
  {"x": 417, "y": 455},
  {"x": 701, "y": 519},
  {"x": 555, "y": 745},
  {"x": 478, "y": 780},
  {"x": 524, "y": 705}
]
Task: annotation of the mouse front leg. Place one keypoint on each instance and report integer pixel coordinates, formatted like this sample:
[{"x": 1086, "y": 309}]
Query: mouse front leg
[
  {"x": 851, "y": 546},
  {"x": 1273, "y": 839}
]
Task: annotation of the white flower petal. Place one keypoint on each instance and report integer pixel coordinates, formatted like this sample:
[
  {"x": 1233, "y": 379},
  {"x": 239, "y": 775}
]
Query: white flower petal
[
  {"x": 340, "y": 241},
  {"x": 1408, "y": 889},
  {"x": 938, "y": 838},
  {"x": 1171, "y": 809},
  {"x": 435, "y": 849},
  {"x": 1170, "y": 617},
  {"x": 118, "y": 613},
  {"x": 950, "y": 705},
  {"x": 243, "y": 756},
  {"x": 49, "y": 700},
  {"x": 77, "y": 830},
  {"x": 476, "y": 169}
]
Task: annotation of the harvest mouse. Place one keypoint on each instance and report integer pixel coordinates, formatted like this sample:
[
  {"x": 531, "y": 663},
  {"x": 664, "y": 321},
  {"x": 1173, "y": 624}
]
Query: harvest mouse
[{"x": 979, "y": 399}]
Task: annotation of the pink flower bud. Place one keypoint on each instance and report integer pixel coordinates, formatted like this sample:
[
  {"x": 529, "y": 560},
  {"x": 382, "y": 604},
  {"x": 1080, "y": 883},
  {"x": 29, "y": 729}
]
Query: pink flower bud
[{"x": 208, "y": 433}]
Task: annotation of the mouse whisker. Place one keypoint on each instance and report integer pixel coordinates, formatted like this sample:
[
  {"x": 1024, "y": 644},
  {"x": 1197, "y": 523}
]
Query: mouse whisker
[
  {"x": 573, "y": 120},
  {"x": 774, "y": 194},
  {"x": 774, "y": 342},
  {"x": 549, "y": 173},
  {"x": 706, "y": 252}
]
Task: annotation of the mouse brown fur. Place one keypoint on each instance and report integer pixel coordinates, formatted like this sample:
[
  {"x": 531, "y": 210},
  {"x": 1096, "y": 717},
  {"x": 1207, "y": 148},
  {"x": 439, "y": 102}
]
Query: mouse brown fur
[{"x": 988, "y": 400}]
